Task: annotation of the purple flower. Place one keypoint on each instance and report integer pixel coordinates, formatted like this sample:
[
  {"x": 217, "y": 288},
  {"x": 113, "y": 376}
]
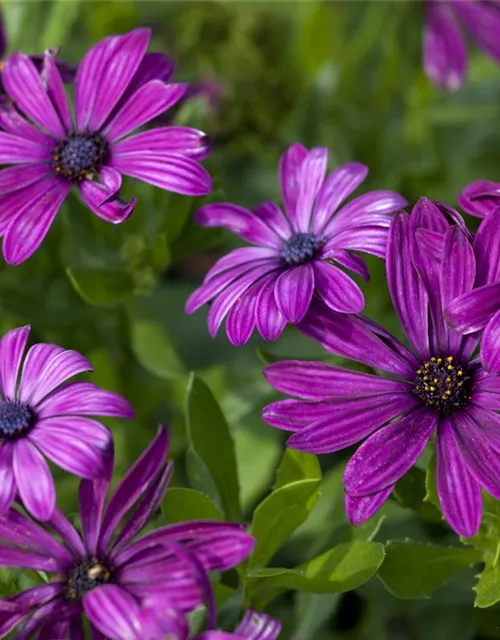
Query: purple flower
[
  {"x": 254, "y": 626},
  {"x": 294, "y": 255},
  {"x": 436, "y": 387},
  {"x": 118, "y": 88},
  {"x": 444, "y": 46},
  {"x": 42, "y": 415},
  {"x": 105, "y": 573},
  {"x": 480, "y": 198}
]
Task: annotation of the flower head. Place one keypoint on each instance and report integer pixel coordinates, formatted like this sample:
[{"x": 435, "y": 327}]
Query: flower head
[
  {"x": 118, "y": 88},
  {"x": 106, "y": 571},
  {"x": 436, "y": 387},
  {"x": 296, "y": 254},
  {"x": 444, "y": 47},
  {"x": 42, "y": 415}
]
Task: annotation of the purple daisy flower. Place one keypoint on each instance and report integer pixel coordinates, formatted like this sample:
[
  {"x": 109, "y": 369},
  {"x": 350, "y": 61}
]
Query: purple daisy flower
[
  {"x": 294, "y": 255},
  {"x": 117, "y": 90},
  {"x": 444, "y": 47},
  {"x": 437, "y": 387},
  {"x": 42, "y": 415},
  {"x": 107, "y": 571}
]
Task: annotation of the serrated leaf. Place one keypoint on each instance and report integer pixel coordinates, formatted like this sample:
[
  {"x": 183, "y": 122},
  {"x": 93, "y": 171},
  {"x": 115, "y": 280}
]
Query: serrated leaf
[
  {"x": 210, "y": 438},
  {"x": 428, "y": 565},
  {"x": 181, "y": 505},
  {"x": 153, "y": 349},
  {"x": 101, "y": 287}
]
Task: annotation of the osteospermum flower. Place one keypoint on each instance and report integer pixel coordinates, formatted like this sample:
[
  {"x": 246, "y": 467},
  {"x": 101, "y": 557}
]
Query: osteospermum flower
[
  {"x": 296, "y": 254},
  {"x": 117, "y": 90},
  {"x": 436, "y": 387},
  {"x": 42, "y": 415},
  {"x": 104, "y": 572},
  {"x": 445, "y": 49}
]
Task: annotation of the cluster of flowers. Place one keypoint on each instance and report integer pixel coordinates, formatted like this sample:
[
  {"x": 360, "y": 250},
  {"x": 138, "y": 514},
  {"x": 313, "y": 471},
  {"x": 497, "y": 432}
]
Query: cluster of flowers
[{"x": 444, "y": 284}]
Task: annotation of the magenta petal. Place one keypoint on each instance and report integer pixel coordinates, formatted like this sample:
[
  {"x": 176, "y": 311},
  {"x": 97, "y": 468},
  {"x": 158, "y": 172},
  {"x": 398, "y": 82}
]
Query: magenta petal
[
  {"x": 182, "y": 140},
  {"x": 445, "y": 53},
  {"x": 368, "y": 238},
  {"x": 15, "y": 149},
  {"x": 26, "y": 231},
  {"x": 459, "y": 266},
  {"x": 311, "y": 177},
  {"x": 272, "y": 216},
  {"x": 19, "y": 177},
  {"x": 13, "y": 122},
  {"x": 84, "y": 398},
  {"x": 359, "y": 509},
  {"x": 337, "y": 187},
  {"x": 406, "y": 288},
  {"x": 490, "y": 345},
  {"x": 55, "y": 89},
  {"x": 482, "y": 20},
  {"x": 113, "y": 611},
  {"x": 115, "y": 76},
  {"x": 270, "y": 321},
  {"x": 293, "y": 292},
  {"x": 487, "y": 250},
  {"x": 257, "y": 626},
  {"x": 96, "y": 197},
  {"x": 240, "y": 221},
  {"x": 92, "y": 495},
  {"x": 172, "y": 172},
  {"x": 12, "y": 346},
  {"x": 389, "y": 453},
  {"x": 154, "y": 66},
  {"x": 241, "y": 319},
  {"x": 34, "y": 480},
  {"x": 459, "y": 493},
  {"x": 289, "y": 171},
  {"x": 37, "y": 358},
  {"x": 7, "y": 480},
  {"x": 472, "y": 311},
  {"x": 370, "y": 209},
  {"x": 239, "y": 257},
  {"x": 480, "y": 198},
  {"x": 22, "y": 82},
  {"x": 149, "y": 101},
  {"x": 337, "y": 289}
]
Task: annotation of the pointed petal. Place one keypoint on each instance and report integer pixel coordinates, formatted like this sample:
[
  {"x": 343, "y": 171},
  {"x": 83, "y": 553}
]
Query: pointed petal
[
  {"x": 337, "y": 289},
  {"x": 359, "y": 509},
  {"x": 92, "y": 495},
  {"x": 269, "y": 319},
  {"x": 289, "y": 172},
  {"x": 12, "y": 346},
  {"x": 311, "y": 177},
  {"x": 51, "y": 77},
  {"x": 459, "y": 493},
  {"x": 293, "y": 292},
  {"x": 34, "y": 480},
  {"x": 84, "y": 398},
  {"x": 240, "y": 321},
  {"x": 388, "y": 454}
]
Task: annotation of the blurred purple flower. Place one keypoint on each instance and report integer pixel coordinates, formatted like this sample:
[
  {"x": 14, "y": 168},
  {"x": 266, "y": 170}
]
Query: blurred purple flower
[
  {"x": 41, "y": 414},
  {"x": 118, "y": 88},
  {"x": 107, "y": 571},
  {"x": 480, "y": 198},
  {"x": 254, "y": 626},
  {"x": 444, "y": 47},
  {"x": 272, "y": 283},
  {"x": 437, "y": 387}
]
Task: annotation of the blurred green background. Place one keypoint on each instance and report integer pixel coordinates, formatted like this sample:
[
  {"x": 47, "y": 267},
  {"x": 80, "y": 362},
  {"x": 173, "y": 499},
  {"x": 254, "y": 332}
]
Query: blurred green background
[{"x": 346, "y": 75}]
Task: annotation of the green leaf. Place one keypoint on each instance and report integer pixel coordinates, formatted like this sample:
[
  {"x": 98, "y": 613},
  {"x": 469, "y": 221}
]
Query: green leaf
[
  {"x": 102, "y": 287},
  {"x": 61, "y": 17},
  {"x": 199, "y": 476},
  {"x": 411, "y": 492},
  {"x": 343, "y": 568},
  {"x": 488, "y": 586},
  {"x": 287, "y": 507},
  {"x": 153, "y": 349},
  {"x": 181, "y": 504},
  {"x": 428, "y": 566},
  {"x": 211, "y": 439}
]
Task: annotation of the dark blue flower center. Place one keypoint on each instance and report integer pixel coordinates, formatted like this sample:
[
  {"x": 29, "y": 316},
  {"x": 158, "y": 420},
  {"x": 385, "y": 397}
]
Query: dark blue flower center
[
  {"x": 16, "y": 419},
  {"x": 80, "y": 156},
  {"x": 85, "y": 576},
  {"x": 300, "y": 248},
  {"x": 443, "y": 384}
]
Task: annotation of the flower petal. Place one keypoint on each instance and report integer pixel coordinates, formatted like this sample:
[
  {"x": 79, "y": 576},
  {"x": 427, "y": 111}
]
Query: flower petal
[
  {"x": 388, "y": 454},
  {"x": 149, "y": 101},
  {"x": 96, "y": 197},
  {"x": 269, "y": 319},
  {"x": 350, "y": 261},
  {"x": 91, "y": 495},
  {"x": 406, "y": 288},
  {"x": 181, "y": 140},
  {"x": 15, "y": 149},
  {"x": 53, "y": 81},
  {"x": 472, "y": 311},
  {"x": 169, "y": 171},
  {"x": 480, "y": 198},
  {"x": 337, "y": 187},
  {"x": 239, "y": 221},
  {"x": 241, "y": 318},
  {"x": 7, "y": 480},
  {"x": 370, "y": 209},
  {"x": 359, "y": 509},
  {"x": 293, "y": 292},
  {"x": 368, "y": 238},
  {"x": 22, "y": 82},
  {"x": 482, "y": 20},
  {"x": 311, "y": 177},
  {"x": 113, "y": 611},
  {"x": 337, "y": 289},
  {"x": 27, "y": 231},
  {"x": 12, "y": 346},
  {"x": 445, "y": 53},
  {"x": 19, "y": 177},
  {"x": 487, "y": 250},
  {"x": 272, "y": 216},
  {"x": 34, "y": 480},
  {"x": 459, "y": 493},
  {"x": 84, "y": 398},
  {"x": 45, "y": 368},
  {"x": 257, "y": 626},
  {"x": 289, "y": 172},
  {"x": 238, "y": 257}
]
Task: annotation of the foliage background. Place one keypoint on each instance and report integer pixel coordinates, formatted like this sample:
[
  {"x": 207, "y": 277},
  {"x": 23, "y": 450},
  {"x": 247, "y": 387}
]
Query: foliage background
[{"x": 342, "y": 74}]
